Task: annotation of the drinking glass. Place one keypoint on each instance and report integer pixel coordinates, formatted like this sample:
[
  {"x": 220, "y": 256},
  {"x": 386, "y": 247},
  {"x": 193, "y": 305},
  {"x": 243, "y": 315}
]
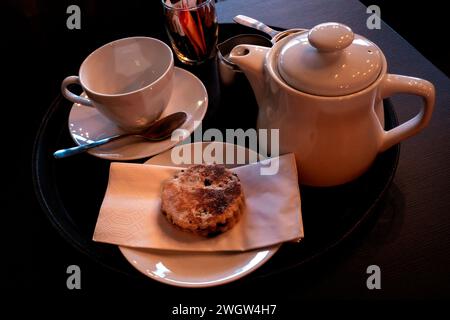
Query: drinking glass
[{"x": 192, "y": 28}]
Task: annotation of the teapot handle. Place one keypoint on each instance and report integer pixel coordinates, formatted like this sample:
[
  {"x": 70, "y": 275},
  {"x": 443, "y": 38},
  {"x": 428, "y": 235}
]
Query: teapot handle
[{"x": 393, "y": 84}]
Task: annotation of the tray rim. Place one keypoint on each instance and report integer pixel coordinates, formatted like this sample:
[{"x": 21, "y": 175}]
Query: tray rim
[{"x": 77, "y": 244}]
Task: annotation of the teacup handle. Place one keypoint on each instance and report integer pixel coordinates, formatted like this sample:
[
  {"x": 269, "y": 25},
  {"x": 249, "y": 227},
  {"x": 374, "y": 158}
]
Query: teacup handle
[
  {"x": 72, "y": 96},
  {"x": 392, "y": 84}
]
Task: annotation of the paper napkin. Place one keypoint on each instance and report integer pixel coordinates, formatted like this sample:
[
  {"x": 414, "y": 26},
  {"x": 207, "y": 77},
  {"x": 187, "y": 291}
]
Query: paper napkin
[{"x": 130, "y": 214}]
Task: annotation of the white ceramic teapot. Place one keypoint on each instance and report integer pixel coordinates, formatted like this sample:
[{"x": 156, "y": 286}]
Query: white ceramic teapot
[{"x": 324, "y": 91}]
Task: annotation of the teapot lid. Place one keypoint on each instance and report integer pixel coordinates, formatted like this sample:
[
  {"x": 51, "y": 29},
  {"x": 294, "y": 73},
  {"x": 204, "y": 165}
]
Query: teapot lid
[{"x": 329, "y": 60}]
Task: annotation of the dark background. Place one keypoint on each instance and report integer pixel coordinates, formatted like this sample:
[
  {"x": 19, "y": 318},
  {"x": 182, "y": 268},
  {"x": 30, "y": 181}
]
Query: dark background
[
  {"x": 423, "y": 24},
  {"x": 38, "y": 51}
]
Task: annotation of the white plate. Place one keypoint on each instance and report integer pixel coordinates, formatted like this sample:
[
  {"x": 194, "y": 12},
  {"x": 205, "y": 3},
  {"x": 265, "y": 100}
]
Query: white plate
[
  {"x": 87, "y": 124},
  {"x": 195, "y": 269}
]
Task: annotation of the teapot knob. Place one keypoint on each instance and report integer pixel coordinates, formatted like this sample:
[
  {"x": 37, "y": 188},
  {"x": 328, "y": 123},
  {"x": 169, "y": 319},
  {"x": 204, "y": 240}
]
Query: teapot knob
[{"x": 330, "y": 36}]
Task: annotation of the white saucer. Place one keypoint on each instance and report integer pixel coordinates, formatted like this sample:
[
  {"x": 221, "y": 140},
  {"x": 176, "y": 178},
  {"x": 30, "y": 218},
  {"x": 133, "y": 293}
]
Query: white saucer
[
  {"x": 87, "y": 124},
  {"x": 195, "y": 269}
]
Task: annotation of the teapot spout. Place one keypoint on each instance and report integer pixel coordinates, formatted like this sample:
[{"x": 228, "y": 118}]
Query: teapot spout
[{"x": 250, "y": 59}]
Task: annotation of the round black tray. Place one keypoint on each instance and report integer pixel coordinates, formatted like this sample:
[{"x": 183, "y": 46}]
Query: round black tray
[{"x": 71, "y": 190}]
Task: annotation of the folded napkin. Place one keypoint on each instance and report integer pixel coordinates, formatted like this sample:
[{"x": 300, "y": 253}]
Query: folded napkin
[{"x": 130, "y": 214}]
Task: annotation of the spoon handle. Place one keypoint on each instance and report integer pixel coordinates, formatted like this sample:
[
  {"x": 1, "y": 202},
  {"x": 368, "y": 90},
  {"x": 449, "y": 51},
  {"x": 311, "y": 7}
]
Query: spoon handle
[
  {"x": 255, "y": 24},
  {"x": 63, "y": 153}
]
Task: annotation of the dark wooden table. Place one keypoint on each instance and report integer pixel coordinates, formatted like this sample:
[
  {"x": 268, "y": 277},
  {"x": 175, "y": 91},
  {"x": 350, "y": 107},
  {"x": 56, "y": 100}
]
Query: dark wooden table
[{"x": 409, "y": 239}]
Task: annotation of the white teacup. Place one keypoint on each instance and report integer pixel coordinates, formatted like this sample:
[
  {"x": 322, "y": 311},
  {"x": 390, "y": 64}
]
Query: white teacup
[{"x": 128, "y": 80}]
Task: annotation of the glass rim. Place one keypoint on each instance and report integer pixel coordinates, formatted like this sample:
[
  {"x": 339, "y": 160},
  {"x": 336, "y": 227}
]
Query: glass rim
[{"x": 206, "y": 2}]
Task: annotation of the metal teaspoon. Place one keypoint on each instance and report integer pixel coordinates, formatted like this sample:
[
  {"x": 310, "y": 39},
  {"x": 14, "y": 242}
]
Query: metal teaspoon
[{"x": 159, "y": 130}]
